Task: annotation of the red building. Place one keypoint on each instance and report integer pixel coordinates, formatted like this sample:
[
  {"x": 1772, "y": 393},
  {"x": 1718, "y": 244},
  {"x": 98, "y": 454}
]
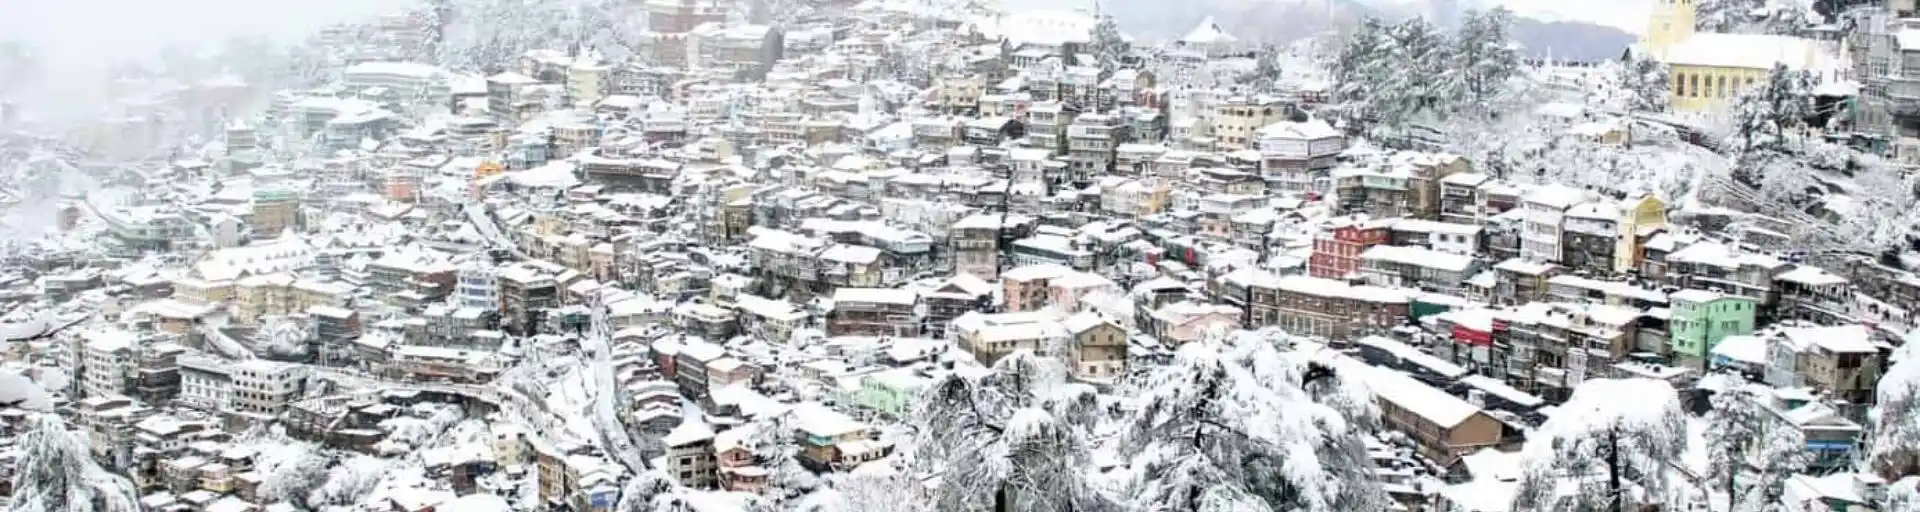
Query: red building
[{"x": 1336, "y": 251}]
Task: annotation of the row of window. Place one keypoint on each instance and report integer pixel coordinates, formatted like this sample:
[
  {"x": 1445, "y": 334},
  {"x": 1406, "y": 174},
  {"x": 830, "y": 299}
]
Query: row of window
[{"x": 1695, "y": 85}]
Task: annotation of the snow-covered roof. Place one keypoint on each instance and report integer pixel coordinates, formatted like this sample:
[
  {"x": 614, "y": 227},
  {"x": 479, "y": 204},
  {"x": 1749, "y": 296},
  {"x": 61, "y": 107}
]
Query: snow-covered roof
[
  {"x": 407, "y": 69},
  {"x": 692, "y": 430},
  {"x": 1207, "y": 32},
  {"x": 1749, "y": 51}
]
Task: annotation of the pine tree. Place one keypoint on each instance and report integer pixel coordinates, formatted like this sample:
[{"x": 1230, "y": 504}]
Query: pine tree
[
  {"x": 1611, "y": 438},
  {"x": 1483, "y": 58},
  {"x": 1642, "y": 85},
  {"x": 1895, "y": 422},
  {"x": 1266, "y": 68},
  {"x": 1732, "y": 428},
  {"x": 54, "y": 473},
  {"x": 1228, "y": 427},
  {"x": 771, "y": 441},
  {"x": 1007, "y": 441},
  {"x": 1108, "y": 45},
  {"x": 1410, "y": 78},
  {"x": 1780, "y": 453},
  {"x": 1362, "y": 60}
]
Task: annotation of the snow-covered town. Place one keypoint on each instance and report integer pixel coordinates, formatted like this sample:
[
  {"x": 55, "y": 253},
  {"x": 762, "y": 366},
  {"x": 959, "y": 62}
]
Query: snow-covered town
[{"x": 944, "y": 255}]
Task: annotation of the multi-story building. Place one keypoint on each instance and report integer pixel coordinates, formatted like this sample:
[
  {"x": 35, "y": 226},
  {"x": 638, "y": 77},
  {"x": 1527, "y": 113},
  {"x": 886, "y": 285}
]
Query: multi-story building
[
  {"x": 1729, "y": 269},
  {"x": 670, "y": 22},
  {"x": 1337, "y": 249},
  {"x": 106, "y": 362},
  {"x": 1545, "y": 208},
  {"x": 1705, "y": 76},
  {"x": 1237, "y": 121},
  {"x": 690, "y": 454},
  {"x": 1702, "y": 318},
  {"x": 1417, "y": 267},
  {"x": 743, "y": 51},
  {"x": 1295, "y": 156},
  {"x": 1099, "y": 348},
  {"x": 205, "y": 383},
  {"x": 1315, "y": 306},
  {"x": 1842, "y": 361},
  {"x": 975, "y": 241},
  {"x": 874, "y": 312},
  {"x": 262, "y": 387},
  {"x": 506, "y": 94},
  {"x": 990, "y": 336},
  {"x": 959, "y": 295},
  {"x": 1047, "y": 123},
  {"x": 1091, "y": 142},
  {"x": 479, "y": 286}
]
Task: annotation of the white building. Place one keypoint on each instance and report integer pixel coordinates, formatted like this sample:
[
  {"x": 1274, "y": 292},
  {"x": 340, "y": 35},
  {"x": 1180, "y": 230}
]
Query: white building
[
  {"x": 479, "y": 286},
  {"x": 404, "y": 79},
  {"x": 106, "y": 362},
  {"x": 1545, "y": 209},
  {"x": 205, "y": 383},
  {"x": 1297, "y": 154},
  {"x": 264, "y": 387}
]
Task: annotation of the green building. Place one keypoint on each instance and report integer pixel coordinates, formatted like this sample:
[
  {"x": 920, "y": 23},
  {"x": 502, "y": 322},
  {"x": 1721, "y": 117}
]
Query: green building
[
  {"x": 889, "y": 393},
  {"x": 1702, "y": 318}
]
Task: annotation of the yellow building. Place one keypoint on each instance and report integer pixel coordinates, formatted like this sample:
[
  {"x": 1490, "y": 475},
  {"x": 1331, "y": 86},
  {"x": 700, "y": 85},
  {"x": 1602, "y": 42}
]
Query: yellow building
[
  {"x": 1638, "y": 217},
  {"x": 1709, "y": 69}
]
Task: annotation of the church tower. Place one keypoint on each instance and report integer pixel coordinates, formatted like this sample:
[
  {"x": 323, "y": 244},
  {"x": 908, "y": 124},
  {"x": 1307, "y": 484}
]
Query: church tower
[{"x": 1671, "y": 23}]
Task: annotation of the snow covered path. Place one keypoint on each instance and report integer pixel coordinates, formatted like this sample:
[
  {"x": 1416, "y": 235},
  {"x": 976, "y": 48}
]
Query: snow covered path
[{"x": 606, "y": 414}]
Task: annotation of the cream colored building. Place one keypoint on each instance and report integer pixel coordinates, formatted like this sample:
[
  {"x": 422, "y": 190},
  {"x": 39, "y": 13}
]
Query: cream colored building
[{"x": 1709, "y": 69}]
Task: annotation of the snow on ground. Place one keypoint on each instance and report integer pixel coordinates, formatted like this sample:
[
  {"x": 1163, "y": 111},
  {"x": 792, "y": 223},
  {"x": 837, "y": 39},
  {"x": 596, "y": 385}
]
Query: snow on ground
[{"x": 16, "y": 387}]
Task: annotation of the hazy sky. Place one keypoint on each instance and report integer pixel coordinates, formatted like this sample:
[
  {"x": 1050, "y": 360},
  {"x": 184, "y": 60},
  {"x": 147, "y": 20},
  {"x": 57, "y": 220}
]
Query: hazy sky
[{"x": 77, "y": 28}]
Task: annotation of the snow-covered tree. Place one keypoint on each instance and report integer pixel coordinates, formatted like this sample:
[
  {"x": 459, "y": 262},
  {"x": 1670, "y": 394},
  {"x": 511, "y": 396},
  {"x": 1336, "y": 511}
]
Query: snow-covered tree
[
  {"x": 1724, "y": 16},
  {"x": 1753, "y": 16},
  {"x": 1108, "y": 46},
  {"x": 863, "y": 491},
  {"x": 1362, "y": 61},
  {"x": 1010, "y": 440},
  {"x": 1733, "y": 426},
  {"x": 1229, "y": 427},
  {"x": 350, "y": 481},
  {"x": 1608, "y": 445},
  {"x": 1641, "y": 84},
  {"x": 1895, "y": 420},
  {"x": 1903, "y": 496},
  {"x": 291, "y": 471},
  {"x": 1266, "y": 68},
  {"x": 284, "y": 337},
  {"x": 1778, "y": 454},
  {"x": 1411, "y": 79},
  {"x": 1482, "y": 59},
  {"x": 638, "y": 494},
  {"x": 771, "y": 441},
  {"x": 54, "y": 473}
]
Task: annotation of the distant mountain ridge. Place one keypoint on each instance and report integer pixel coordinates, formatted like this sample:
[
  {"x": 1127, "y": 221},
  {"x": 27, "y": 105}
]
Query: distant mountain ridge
[{"x": 1283, "y": 21}]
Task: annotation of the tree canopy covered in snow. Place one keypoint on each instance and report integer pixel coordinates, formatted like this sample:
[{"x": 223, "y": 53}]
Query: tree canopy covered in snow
[
  {"x": 1783, "y": 17},
  {"x": 1230, "y": 427},
  {"x": 1390, "y": 75},
  {"x": 1612, "y": 440},
  {"x": 55, "y": 473},
  {"x": 1012, "y": 439},
  {"x": 1895, "y": 425},
  {"x": 1750, "y": 452}
]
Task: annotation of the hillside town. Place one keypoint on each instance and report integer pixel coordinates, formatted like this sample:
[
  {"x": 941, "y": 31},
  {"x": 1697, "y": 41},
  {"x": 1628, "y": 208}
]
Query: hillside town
[{"x": 823, "y": 255}]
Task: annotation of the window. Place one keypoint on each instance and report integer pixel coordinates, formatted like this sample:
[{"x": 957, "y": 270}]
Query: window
[
  {"x": 1680, "y": 85},
  {"x": 1693, "y": 86},
  {"x": 1720, "y": 88}
]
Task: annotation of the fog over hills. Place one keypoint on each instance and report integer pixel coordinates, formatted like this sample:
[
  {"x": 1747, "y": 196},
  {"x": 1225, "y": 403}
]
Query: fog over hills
[{"x": 1545, "y": 27}]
